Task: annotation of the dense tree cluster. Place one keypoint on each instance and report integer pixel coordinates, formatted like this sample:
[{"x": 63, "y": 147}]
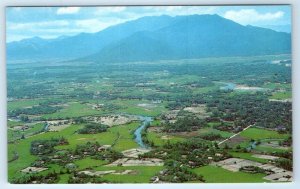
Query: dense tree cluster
[
  {"x": 35, "y": 110},
  {"x": 42, "y": 147},
  {"x": 284, "y": 163},
  {"x": 187, "y": 123},
  {"x": 175, "y": 172},
  {"x": 286, "y": 142},
  {"x": 93, "y": 128},
  {"x": 192, "y": 153},
  {"x": 211, "y": 136},
  {"x": 242, "y": 109},
  {"x": 247, "y": 109},
  {"x": 253, "y": 169},
  {"x": 81, "y": 178},
  {"x": 95, "y": 150},
  {"x": 49, "y": 178}
]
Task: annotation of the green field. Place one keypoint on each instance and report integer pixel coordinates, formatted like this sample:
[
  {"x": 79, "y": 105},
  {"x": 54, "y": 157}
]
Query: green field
[
  {"x": 32, "y": 130},
  {"x": 23, "y": 104},
  {"x": 14, "y": 123},
  {"x": 73, "y": 109},
  {"x": 132, "y": 107},
  {"x": 247, "y": 156},
  {"x": 157, "y": 138},
  {"x": 256, "y": 134},
  {"x": 89, "y": 163},
  {"x": 213, "y": 174},
  {"x": 209, "y": 130},
  {"x": 282, "y": 95}
]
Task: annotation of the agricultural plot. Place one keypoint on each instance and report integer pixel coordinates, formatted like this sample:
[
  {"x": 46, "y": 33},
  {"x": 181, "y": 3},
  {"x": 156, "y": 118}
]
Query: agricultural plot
[
  {"x": 213, "y": 174},
  {"x": 254, "y": 133}
]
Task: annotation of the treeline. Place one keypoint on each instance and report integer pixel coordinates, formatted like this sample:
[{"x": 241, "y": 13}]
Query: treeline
[
  {"x": 49, "y": 178},
  {"x": 35, "y": 110},
  {"x": 241, "y": 109},
  {"x": 93, "y": 128},
  {"x": 29, "y": 91}
]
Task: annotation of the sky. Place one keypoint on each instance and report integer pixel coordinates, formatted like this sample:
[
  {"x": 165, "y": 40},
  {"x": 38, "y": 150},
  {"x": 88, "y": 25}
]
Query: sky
[{"x": 53, "y": 22}]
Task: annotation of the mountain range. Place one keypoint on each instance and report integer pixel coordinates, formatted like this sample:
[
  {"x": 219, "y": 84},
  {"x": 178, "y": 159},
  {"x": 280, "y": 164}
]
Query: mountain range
[{"x": 157, "y": 38}]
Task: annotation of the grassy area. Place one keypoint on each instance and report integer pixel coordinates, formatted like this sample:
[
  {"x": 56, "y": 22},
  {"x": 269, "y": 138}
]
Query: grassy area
[
  {"x": 73, "y": 109},
  {"x": 17, "y": 134},
  {"x": 212, "y": 124},
  {"x": 63, "y": 179},
  {"x": 125, "y": 135},
  {"x": 14, "y": 123},
  {"x": 182, "y": 79},
  {"x": 155, "y": 123},
  {"x": 142, "y": 174},
  {"x": 270, "y": 149},
  {"x": 132, "y": 107},
  {"x": 256, "y": 134},
  {"x": 121, "y": 135},
  {"x": 13, "y": 105},
  {"x": 157, "y": 138},
  {"x": 213, "y": 174},
  {"x": 208, "y": 130},
  {"x": 89, "y": 162},
  {"x": 202, "y": 90},
  {"x": 273, "y": 86},
  {"x": 160, "y": 139},
  {"x": 248, "y": 156},
  {"x": 282, "y": 95}
]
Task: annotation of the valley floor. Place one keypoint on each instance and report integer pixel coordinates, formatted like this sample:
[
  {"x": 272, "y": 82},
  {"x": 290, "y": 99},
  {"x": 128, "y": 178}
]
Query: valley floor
[{"x": 203, "y": 121}]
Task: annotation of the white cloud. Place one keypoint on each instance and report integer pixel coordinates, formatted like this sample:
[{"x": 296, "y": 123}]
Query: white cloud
[
  {"x": 180, "y": 10},
  {"x": 95, "y": 25},
  {"x": 250, "y": 16},
  {"x": 18, "y": 9},
  {"x": 28, "y": 25},
  {"x": 117, "y": 9},
  {"x": 109, "y": 10},
  {"x": 68, "y": 10},
  {"x": 11, "y": 37},
  {"x": 130, "y": 13}
]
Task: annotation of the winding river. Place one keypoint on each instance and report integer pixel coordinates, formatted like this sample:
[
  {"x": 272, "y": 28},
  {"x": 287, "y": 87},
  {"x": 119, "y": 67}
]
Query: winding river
[
  {"x": 46, "y": 127},
  {"x": 138, "y": 132}
]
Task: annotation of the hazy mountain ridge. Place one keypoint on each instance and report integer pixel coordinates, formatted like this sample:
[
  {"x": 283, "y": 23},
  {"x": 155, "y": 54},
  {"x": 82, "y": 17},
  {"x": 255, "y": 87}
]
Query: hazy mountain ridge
[
  {"x": 160, "y": 37},
  {"x": 82, "y": 44}
]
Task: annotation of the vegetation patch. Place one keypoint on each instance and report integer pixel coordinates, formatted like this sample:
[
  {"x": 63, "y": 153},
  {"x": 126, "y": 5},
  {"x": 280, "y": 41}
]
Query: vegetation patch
[{"x": 92, "y": 128}]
